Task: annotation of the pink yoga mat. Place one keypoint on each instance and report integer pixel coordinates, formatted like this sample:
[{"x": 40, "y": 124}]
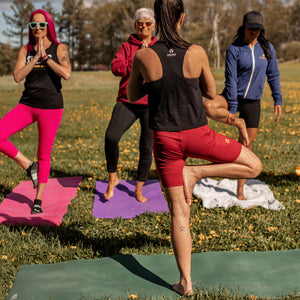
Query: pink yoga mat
[
  {"x": 123, "y": 204},
  {"x": 16, "y": 207}
]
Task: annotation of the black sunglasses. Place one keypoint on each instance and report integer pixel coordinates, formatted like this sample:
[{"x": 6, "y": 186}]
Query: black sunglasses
[{"x": 42, "y": 25}]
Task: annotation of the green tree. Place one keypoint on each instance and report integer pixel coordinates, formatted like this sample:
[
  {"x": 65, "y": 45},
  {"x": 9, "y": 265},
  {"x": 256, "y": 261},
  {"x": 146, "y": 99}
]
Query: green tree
[
  {"x": 294, "y": 9},
  {"x": 290, "y": 51},
  {"x": 214, "y": 23},
  {"x": 102, "y": 34},
  {"x": 276, "y": 23},
  {"x": 52, "y": 11},
  {"x": 72, "y": 24},
  {"x": 18, "y": 22},
  {"x": 232, "y": 19},
  {"x": 8, "y": 57},
  {"x": 115, "y": 27}
]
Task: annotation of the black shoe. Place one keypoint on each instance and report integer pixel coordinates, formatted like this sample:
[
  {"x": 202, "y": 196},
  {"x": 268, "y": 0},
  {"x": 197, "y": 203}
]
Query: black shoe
[
  {"x": 37, "y": 207},
  {"x": 32, "y": 173}
]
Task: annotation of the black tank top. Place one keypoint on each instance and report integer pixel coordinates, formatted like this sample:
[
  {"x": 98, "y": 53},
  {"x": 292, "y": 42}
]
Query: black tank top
[
  {"x": 175, "y": 102},
  {"x": 42, "y": 85}
]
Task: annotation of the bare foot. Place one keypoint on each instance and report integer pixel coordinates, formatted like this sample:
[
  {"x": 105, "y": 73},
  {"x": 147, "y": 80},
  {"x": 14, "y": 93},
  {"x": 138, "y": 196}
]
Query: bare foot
[
  {"x": 112, "y": 183},
  {"x": 138, "y": 191},
  {"x": 240, "y": 189},
  {"x": 139, "y": 197},
  {"x": 243, "y": 134},
  {"x": 178, "y": 288},
  {"x": 241, "y": 196},
  {"x": 189, "y": 181}
]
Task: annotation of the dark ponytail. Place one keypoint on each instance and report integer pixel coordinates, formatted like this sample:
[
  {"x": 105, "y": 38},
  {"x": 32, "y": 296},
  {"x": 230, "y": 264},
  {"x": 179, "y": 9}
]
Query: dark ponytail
[
  {"x": 167, "y": 14},
  {"x": 261, "y": 39},
  {"x": 264, "y": 44}
]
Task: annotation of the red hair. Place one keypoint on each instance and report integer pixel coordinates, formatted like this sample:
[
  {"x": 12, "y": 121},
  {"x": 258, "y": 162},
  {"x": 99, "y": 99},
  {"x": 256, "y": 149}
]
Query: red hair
[{"x": 51, "y": 33}]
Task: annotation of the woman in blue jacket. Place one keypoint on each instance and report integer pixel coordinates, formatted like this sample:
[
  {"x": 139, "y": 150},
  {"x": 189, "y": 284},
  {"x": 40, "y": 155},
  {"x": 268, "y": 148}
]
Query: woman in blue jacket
[{"x": 249, "y": 60}]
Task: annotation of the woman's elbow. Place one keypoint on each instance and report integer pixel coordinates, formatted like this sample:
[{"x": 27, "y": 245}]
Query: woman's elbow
[
  {"x": 210, "y": 94},
  {"x": 66, "y": 76},
  {"x": 115, "y": 71},
  {"x": 17, "y": 78},
  {"x": 131, "y": 96}
]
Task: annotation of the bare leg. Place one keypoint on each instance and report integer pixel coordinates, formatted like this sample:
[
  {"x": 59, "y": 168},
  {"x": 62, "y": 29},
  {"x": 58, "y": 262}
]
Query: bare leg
[
  {"x": 40, "y": 191},
  {"x": 252, "y": 132},
  {"x": 247, "y": 165},
  {"x": 217, "y": 109},
  {"x": 25, "y": 163},
  {"x": 112, "y": 182},
  {"x": 37, "y": 204},
  {"x": 22, "y": 160},
  {"x": 29, "y": 166},
  {"x": 181, "y": 238},
  {"x": 138, "y": 191}
]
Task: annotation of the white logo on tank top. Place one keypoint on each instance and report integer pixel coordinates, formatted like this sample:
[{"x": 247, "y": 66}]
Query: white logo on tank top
[
  {"x": 171, "y": 53},
  {"x": 29, "y": 58}
]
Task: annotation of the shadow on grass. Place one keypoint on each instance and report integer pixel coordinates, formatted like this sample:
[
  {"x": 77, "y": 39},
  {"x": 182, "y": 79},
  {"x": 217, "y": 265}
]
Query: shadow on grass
[
  {"x": 56, "y": 173},
  {"x": 131, "y": 174},
  {"x": 104, "y": 246},
  {"x": 4, "y": 191},
  {"x": 107, "y": 247},
  {"x": 278, "y": 179},
  {"x": 131, "y": 264}
]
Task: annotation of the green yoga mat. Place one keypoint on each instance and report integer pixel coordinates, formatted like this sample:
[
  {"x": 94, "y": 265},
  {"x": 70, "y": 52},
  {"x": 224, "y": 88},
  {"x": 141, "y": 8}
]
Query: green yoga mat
[{"x": 269, "y": 274}]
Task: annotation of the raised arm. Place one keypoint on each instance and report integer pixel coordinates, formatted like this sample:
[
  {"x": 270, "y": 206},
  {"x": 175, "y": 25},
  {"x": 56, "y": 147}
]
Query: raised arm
[
  {"x": 208, "y": 84},
  {"x": 136, "y": 87},
  {"x": 122, "y": 63},
  {"x": 21, "y": 68},
  {"x": 63, "y": 67}
]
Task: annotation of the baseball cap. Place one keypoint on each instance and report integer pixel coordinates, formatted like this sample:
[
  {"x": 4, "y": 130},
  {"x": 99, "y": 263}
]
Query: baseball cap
[{"x": 253, "y": 19}]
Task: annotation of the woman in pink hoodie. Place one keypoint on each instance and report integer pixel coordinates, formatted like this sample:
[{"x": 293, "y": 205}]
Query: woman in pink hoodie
[{"x": 125, "y": 113}]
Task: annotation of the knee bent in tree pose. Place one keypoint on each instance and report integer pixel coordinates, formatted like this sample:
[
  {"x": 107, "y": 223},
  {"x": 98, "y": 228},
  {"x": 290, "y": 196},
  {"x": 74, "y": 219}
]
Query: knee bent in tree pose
[{"x": 43, "y": 62}]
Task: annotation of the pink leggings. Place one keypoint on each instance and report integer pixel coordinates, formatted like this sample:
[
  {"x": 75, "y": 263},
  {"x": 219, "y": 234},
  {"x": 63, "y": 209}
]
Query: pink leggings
[{"x": 21, "y": 116}]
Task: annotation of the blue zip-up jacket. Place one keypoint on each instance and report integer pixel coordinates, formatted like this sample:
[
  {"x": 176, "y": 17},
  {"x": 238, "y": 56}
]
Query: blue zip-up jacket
[{"x": 245, "y": 73}]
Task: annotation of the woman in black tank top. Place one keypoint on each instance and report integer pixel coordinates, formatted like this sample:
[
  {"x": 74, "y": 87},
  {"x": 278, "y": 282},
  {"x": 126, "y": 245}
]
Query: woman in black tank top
[
  {"x": 176, "y": 76},
  {"x": 43, "y": 62}
]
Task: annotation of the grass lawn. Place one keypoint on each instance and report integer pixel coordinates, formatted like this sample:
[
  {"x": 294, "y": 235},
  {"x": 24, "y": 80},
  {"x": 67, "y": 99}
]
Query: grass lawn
[{"x": 79, "y": 151}]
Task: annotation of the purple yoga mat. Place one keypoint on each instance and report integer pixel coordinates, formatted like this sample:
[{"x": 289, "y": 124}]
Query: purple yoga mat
[{"x": 123, "y": 204}]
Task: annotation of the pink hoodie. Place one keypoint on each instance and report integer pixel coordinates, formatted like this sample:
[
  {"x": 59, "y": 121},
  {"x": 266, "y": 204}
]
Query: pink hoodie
[{"x": 121, "y": 66}]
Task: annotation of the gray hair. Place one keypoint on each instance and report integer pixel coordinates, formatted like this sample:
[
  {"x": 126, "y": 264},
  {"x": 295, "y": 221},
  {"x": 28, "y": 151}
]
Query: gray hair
[{"x": 144, "y": 13}]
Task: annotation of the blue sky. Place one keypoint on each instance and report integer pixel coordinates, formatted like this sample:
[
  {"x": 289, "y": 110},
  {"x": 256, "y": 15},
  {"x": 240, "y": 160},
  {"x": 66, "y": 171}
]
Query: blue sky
[{"x": 5, "y": 7}]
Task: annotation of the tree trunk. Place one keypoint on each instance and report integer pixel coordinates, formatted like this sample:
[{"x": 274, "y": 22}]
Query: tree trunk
[{"x": 214, "y": 42}]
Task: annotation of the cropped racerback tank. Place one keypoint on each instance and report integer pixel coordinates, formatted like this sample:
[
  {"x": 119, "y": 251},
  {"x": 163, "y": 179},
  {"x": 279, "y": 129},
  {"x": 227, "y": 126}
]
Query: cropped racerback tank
[{"x": 175, "y": 102}]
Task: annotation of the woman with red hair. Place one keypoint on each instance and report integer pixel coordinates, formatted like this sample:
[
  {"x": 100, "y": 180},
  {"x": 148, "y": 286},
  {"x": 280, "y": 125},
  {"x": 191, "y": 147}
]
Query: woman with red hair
[{"x": 42, "y": 63}]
